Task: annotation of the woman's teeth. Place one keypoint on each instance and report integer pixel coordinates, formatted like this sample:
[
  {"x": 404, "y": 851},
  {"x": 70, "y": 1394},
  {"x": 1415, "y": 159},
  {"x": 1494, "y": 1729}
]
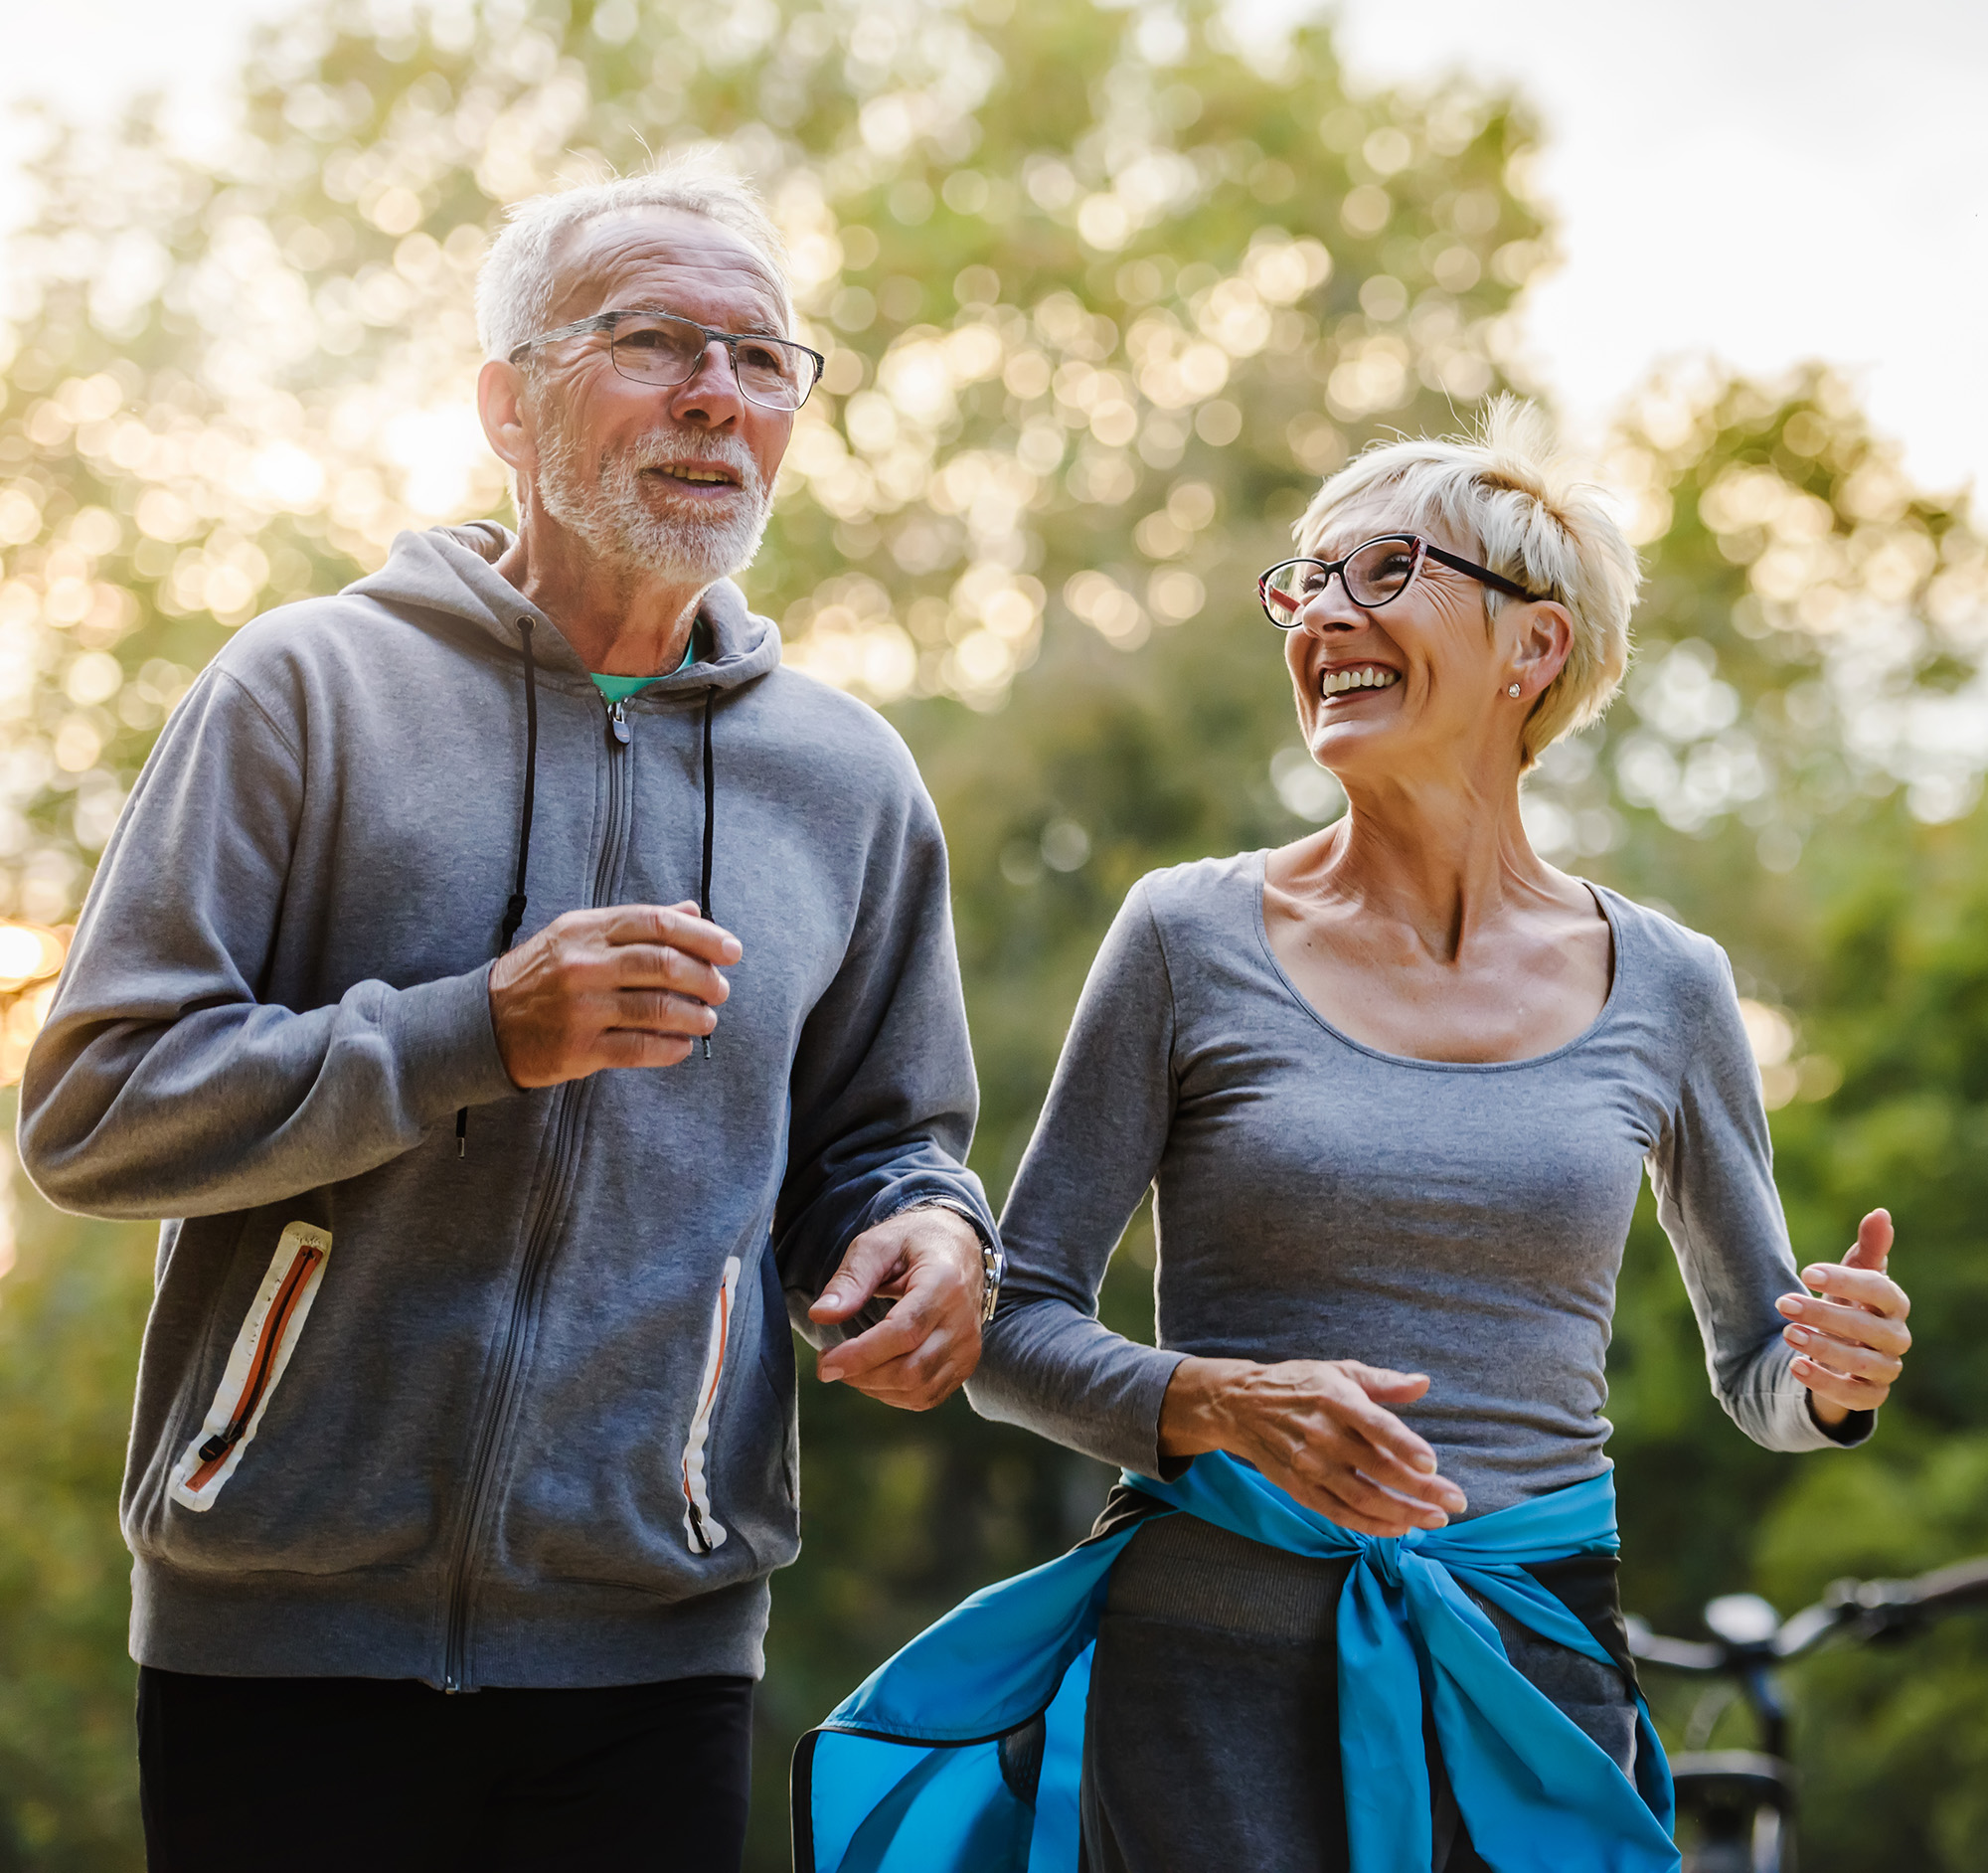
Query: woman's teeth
[{"x": 1366, "y": 676}]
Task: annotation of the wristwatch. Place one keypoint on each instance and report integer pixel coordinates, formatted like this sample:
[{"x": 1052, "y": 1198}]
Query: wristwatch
[{"x": 993, "y": 1265}]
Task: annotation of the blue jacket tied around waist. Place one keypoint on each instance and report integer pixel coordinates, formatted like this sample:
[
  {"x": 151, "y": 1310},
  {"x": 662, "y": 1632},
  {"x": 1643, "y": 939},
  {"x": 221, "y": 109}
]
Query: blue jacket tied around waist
[{"x": 962, "y": 1755}]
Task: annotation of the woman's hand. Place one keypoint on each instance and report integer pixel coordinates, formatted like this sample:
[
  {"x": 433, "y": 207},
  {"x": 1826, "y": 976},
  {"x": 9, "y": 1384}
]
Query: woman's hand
[
  {"x": 1849, "y": 1346},
  {"x": 1315, "y": 1429}
]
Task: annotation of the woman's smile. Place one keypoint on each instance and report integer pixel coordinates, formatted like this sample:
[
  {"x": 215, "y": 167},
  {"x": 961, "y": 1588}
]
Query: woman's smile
[{"x": 1343, "y": 681}]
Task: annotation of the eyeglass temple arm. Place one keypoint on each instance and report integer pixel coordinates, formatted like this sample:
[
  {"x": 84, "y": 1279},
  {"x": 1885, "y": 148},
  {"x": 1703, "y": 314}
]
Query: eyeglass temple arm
[
  {"x": 600, "y": 322},
  {"x": 1457, "y": 564}
]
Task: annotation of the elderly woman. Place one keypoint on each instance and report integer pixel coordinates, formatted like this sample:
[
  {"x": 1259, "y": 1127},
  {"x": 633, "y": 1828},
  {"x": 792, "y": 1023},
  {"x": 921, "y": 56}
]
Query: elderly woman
[{"x": 1395, "y": 1087}]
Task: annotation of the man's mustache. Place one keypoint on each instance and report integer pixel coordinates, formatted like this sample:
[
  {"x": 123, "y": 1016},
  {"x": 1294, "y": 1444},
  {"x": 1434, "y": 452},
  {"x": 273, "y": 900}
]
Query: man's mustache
[{"x": 671, "y": 447}]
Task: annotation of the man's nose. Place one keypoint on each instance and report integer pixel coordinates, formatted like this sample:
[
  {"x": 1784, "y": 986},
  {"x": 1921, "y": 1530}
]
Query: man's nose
[{"x": 711, "y": 391}]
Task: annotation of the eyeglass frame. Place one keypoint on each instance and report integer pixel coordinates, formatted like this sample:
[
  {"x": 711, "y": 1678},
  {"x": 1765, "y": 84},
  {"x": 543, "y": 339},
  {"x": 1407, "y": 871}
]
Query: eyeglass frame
[
  {"x": 605, "y": 322},
  {"x": 1423, "y": 550}
]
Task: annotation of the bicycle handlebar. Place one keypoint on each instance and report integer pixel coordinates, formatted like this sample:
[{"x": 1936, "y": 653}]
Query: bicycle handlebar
[{"x": 1873, "y": 1607}]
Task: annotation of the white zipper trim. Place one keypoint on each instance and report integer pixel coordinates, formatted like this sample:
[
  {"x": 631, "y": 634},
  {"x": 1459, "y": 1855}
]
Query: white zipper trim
[
  {"x": 702, "y": 1530},
  {"x": 297, "y": 1240}
]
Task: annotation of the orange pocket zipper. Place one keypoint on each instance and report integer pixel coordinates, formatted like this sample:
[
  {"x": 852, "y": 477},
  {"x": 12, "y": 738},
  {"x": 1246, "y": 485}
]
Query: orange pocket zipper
[{"x": 257, "y": 1360}]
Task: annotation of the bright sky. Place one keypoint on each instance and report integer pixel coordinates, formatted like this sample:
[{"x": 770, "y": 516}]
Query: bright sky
[{"x": 1767, "y": 180}]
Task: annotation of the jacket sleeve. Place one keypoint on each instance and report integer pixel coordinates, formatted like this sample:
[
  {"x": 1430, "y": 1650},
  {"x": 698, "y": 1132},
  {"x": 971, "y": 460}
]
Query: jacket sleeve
[
  {"x": 161, "y": 1084},
  {"x": 882, "y": 1088},
  {"x": 1713, "y": 1171},
  {"x": 1047, "y": 1362}
]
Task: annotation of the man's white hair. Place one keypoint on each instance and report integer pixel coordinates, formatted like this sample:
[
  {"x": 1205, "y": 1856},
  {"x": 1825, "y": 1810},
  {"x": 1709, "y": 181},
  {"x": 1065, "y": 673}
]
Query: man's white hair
[
  {"x": 1504, "y": 493},
  {"x": 518, "y": 284}
]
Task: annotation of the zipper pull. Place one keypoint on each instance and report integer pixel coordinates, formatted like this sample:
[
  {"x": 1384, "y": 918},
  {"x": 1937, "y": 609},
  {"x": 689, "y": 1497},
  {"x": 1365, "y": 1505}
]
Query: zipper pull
[{"x": 618, "y": 723}]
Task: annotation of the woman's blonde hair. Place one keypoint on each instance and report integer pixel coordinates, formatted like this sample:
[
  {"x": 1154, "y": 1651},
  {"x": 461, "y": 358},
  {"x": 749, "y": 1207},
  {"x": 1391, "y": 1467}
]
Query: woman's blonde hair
[{"x": 1504, "y": 493}]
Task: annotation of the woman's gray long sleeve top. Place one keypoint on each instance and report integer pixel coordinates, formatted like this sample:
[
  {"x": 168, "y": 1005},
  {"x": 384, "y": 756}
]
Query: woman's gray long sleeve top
[{"x": 1316, "y": 1199}]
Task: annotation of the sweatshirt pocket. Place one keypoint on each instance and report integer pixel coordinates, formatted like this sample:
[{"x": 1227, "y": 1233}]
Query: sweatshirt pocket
[
  {"x": 702, "y": 1530},
  {"x": 256, "y": 1365}
]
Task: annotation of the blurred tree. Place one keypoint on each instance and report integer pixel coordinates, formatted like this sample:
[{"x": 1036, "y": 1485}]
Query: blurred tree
[
  {"x": 1063, "y": 258},
  {"x": 1103, "y": 294}
]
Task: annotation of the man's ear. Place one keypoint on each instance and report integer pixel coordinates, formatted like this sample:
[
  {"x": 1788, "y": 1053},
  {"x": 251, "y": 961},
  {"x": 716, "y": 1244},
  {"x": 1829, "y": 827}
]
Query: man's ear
[
  {"x": 1545, "y": 639},
  {"x": 508, "y": 428}
]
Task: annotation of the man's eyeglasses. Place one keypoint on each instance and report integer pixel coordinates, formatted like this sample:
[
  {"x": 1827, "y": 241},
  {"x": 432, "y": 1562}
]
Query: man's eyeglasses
[
  {"x": 660, "y": 348},
  {"x": 1374, "y": 574}
]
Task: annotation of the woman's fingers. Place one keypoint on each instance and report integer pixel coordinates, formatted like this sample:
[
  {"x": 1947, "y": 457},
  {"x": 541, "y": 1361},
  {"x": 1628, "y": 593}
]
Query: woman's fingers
[
  {"x": 1366, "y": 1497},
  {"x": 1389, "y": 1450},
  {"x": 1315, "y": 1428},
  {"x": 1856, "y": 1326},
  {"x": 1844, "y": 1359},
  {"x": 1354, "y": 1396},
  {"x": 1340, "y": 1500},
  {"x": 1872, "y": 1247},
  {"x": 1327, "y": 1455},
  {"x": 1850, "y": 1337},
  {"x": 1853, "y": 1393},
  {"x": 1859, "y": 1287},
  {"x": 1382, "y": 1382}
]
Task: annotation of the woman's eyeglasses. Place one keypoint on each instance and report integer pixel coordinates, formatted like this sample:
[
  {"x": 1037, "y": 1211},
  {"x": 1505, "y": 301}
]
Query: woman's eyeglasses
[{"x": 1374, "y": 574}]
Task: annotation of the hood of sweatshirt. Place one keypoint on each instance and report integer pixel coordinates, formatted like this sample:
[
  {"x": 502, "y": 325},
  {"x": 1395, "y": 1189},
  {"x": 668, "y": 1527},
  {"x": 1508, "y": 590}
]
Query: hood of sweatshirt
[{"x": 453, "y": 571}]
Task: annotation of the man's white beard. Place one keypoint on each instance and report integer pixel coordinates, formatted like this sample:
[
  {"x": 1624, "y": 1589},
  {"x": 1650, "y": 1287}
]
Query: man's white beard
[{"x": 617, "y": 515}]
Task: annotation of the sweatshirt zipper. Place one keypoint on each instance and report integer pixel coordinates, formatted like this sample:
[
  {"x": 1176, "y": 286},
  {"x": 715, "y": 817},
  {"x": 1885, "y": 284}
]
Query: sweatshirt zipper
[{"x": 540, "y": 1239}]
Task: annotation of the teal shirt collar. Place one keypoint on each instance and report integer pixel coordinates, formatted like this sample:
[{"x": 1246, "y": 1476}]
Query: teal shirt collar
[{"x": 620, "y": 688}]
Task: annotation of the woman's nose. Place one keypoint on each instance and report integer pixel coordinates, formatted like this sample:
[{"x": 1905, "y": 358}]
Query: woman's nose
[{"x": 1330, "y": 611}]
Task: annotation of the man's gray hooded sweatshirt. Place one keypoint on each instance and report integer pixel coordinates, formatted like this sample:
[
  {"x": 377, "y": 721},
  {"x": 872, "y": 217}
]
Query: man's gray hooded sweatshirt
[{"x": 523, "y": 1414}]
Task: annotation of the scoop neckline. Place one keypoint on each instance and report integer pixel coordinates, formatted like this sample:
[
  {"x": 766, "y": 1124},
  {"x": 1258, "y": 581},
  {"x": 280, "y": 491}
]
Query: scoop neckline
[{"x": 1258, "y": 880}]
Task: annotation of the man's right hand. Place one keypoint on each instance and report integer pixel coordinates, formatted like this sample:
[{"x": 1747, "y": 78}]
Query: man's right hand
[{"x": 634, "y": 985}]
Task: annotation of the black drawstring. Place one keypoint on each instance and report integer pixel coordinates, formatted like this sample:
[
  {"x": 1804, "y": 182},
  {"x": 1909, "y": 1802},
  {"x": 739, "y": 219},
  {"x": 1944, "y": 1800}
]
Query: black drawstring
[
  {"x": 710, "y": 826},
  {"x": 514, "y": 912},
  {"x": 514, "y": 909}
]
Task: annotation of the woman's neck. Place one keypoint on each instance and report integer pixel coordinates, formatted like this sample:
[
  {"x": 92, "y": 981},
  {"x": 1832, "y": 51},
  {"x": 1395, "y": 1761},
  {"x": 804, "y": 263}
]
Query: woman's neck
[{"x": 1438, "y": 860}]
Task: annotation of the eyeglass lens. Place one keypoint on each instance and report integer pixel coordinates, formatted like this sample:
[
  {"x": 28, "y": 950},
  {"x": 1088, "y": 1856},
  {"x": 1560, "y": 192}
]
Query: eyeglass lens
[
  {"x": 656, "y": 350},
  {"x": 1374, "y": 574}
]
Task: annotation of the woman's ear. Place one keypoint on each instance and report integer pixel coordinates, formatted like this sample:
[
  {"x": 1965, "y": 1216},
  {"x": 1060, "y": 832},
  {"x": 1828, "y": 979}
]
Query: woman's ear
[{"x": 1541, "y": 647}]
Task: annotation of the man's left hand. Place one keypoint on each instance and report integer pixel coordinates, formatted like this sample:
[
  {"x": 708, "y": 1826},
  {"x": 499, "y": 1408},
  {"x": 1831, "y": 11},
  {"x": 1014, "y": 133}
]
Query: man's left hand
[{"x": 926, "y": 1347}]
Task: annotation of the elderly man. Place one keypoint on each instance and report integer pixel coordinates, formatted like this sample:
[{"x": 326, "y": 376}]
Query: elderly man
[{"x": 521, "y": 996}]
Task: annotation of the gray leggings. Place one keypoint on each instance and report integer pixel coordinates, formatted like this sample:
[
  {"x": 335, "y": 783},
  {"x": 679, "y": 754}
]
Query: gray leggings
[{"x": 1212, "y": 1740}]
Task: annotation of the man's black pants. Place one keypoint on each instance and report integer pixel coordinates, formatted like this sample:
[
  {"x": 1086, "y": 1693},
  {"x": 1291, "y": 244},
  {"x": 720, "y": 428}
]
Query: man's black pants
[{"x": 372, "y": 1775}]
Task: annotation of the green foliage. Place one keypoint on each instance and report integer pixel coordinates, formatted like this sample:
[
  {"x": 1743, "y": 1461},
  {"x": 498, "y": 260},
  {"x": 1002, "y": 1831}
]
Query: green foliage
[
  {"x": 1060, "y": 268},
  {"x": 1102, "y": 300},
  {"x": 71, "y": 1311}
]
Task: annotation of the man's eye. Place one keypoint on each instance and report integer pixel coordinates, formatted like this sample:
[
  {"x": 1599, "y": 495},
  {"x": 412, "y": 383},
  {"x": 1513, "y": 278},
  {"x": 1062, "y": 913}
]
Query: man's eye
[{"x": 646, "y": 338}]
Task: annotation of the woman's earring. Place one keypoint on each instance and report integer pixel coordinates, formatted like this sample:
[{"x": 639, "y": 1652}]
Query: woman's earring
[{"x": 1512, "y": 691}]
